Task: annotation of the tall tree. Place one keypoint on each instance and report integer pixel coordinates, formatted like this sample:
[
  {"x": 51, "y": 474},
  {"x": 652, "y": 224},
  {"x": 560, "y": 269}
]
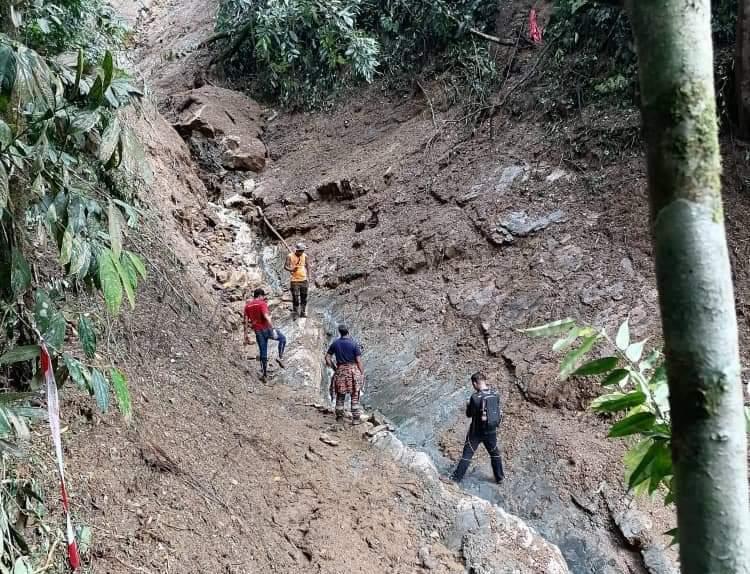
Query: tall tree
[
  {"x": 675, "y": 54},
  {"x": 742, "y": 68}
]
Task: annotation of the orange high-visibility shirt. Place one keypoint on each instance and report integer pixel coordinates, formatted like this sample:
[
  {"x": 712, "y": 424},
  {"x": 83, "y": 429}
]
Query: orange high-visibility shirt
[{"x": 299, "y": 264}]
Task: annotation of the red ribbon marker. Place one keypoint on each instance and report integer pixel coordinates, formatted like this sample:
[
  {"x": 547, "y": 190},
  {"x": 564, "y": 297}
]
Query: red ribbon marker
[
  {"x": 53, "y": 409},
  {"x": 534, "y": 32}
]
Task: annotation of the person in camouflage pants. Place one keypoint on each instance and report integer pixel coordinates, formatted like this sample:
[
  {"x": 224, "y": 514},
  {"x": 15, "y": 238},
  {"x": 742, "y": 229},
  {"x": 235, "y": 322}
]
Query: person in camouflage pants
[{"x": 348, "y": 374}]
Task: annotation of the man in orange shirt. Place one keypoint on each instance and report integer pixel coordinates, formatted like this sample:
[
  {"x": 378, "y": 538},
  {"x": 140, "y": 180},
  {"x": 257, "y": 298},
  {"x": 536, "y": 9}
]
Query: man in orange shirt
[
  {"x": 258, "y": 315},
  {"x": 298, "y": 265}
]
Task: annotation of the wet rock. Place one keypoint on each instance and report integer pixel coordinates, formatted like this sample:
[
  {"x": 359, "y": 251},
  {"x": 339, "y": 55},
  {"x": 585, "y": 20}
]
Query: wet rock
[
  {"x": 248, "y": 187},
  {"x": 413, "y": 261},
  {"x": 390, "y": 444},
  {"x": 426, "y": 560},
  {"x": 634, "y": 526},
  {"x": 342, "y": 190},
  {"x": 228, "y": 120},
  {"x": 556, "y": 174},
  {"x": 469, "y": 301},
  {"x": 520, "y": 224},
  {"x": 376, "y": 430},
  {"x": 235, "y": 201},
  {"x": 326, "y": 439},
  {"x": 656, "y": 561},
  {"x": 250, "y": 156}
]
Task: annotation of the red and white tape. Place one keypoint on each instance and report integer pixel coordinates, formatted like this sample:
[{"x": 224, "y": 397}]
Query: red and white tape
[{"x": 53, "y": 408}]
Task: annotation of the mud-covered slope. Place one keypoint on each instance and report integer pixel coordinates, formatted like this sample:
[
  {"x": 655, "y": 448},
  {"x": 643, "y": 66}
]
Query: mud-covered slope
[
  {"x": 218, "y": 473},
  {"x": 437, "y": 245}
]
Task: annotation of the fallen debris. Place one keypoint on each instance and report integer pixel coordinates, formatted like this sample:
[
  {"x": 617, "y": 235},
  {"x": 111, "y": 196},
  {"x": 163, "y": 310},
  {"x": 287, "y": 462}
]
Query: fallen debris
[{"x": 324, "y": 438}]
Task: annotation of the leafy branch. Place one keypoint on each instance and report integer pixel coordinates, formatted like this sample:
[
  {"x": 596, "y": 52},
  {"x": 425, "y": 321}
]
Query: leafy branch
[{"x": 637, "y": 392}]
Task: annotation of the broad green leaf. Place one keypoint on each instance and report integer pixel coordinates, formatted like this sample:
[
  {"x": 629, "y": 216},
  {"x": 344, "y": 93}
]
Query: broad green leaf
[
  {"x": 660, "y": 467},
  {"x": 571, "y": 360},
  {"x": 126, "y": 282},
  {"x": 122, "y": 393},
  {"x": 49, "y": 320},
  {"x": 80, "y": 259},
  {"x": 20, "y": 354},
  {"x": 66, "y": 248},
  {"x": 76, "y": 214},
  {"x": 675, "y": 535},
  {"x": 20, "y": 273},
  {"x": 553, "y": 328},
  {"x": 129, "y": 269},
  {"x": 651, "y": 361},
  {"x": 115, "y": 230},
  {"x": 622, "y": 340},
  {"x": 567, "y": 341},
  {"x": 7, "y": 69},
  {"x": 9, "y": 398},
  {"x": 634, "y": 351},
  {"x": 4, "y": 187},
  {"x": 85, "y": 121},
  {"x": 618, "y": 402},
  {"x": 138, "y": 264},
  {"x": 79, "y": 373},
  {"x": 101, "y": 389},
  {"x": 596, "y": 367},
  {"x": 108, "y": 66},
  {"x": 638, "y": 459},
  {"x": 39, "y": 186},
  {"x": 110, "y": 137},
  {"x": 110, "y": 281},
  {"x": 637, "y": 423},
  {"x": 616, "y": 377},
  {"x": 96, "y": 93},
  {"x": 87, "y": 336},
  {"x": 6, "y": 134}
]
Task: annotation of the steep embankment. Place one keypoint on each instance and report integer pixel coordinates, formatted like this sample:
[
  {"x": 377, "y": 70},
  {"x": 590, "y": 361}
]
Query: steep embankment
[
  {"x": 219, "y": 473},
  {"x": 435, "y": 246}
]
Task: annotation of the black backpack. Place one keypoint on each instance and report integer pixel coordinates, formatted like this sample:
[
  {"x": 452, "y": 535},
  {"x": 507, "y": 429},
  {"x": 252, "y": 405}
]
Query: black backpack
[{"x": 490, "y": 411}]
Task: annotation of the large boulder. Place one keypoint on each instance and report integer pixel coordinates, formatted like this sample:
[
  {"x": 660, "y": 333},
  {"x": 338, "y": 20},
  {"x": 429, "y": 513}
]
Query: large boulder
[{"x": 230, "y": 119}]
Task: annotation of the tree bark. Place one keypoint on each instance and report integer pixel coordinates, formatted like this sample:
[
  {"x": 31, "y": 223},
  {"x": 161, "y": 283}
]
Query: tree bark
[
  {"x": 742, "y": 69},
  {"x": 709, "y": 444}
]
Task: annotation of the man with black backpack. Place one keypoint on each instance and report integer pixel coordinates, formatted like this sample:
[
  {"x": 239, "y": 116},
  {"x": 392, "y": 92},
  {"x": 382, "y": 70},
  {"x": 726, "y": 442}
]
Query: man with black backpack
[{"x": 486, "y": 413}]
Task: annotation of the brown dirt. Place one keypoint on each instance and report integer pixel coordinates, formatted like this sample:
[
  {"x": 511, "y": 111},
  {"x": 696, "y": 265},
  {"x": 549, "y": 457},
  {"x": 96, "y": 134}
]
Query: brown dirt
[{"x": 246, "y": 486}]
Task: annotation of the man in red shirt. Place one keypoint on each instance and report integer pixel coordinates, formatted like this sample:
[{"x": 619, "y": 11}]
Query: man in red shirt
[{"x": 258, "y": 315}]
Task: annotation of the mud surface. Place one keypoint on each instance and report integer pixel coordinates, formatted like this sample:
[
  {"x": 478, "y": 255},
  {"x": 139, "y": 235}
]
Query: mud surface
[{"x": 435, "y": 246}]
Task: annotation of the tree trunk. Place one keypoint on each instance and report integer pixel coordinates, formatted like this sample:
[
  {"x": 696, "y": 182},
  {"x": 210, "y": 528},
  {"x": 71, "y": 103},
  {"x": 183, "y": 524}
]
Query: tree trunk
[
  {"x": 742, "y": 69},
  {"x": 709, "y": 445}
]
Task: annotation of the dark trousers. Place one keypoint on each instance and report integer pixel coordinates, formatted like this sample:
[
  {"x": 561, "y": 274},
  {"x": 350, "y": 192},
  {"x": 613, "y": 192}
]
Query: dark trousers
[
  {"x": 299, "y": 296},
  {"x": 262, "y": 338},
  {"x": 473, "y": 440}
]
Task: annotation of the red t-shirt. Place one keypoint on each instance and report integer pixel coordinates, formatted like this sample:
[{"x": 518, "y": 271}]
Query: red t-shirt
[{"x": 254, "y": 311}]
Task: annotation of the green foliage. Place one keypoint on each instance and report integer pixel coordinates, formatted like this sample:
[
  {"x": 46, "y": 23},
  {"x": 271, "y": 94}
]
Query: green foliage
[
  {"x": 641, "y": 400},
  {"x": 598, "y": 35},
  {"x": 66, "y": 25},
  {"x": 301, "y": 52},
  {"x": 60, "y": 144}
]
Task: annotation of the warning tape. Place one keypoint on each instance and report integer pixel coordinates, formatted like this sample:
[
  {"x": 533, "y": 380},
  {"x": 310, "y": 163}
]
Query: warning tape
[{"x": 53, "y": 408}]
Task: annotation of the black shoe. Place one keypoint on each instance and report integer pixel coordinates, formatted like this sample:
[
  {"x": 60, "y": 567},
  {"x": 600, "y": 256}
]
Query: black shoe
[{"x": 303, "y": 314}]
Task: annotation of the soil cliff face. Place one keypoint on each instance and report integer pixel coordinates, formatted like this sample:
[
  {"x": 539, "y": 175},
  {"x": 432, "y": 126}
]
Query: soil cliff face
[
  {"x": 219, "y": 473},
  {"x": 435, "y": 245}
]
